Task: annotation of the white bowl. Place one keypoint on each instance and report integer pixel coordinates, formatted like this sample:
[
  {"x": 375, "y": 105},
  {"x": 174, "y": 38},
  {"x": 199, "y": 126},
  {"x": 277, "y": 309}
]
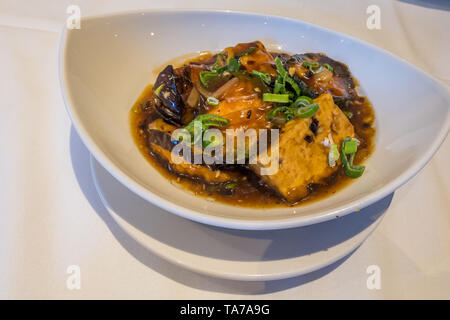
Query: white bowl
[{"x": 106, "y": 64}]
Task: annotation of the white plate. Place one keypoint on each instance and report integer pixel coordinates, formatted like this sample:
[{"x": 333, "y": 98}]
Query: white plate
[
  {"x": 107, "y": 63},
  {"x": 234, "y": 254}
]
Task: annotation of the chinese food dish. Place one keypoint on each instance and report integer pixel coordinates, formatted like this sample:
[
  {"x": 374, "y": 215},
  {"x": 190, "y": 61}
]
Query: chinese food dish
[{"x": 324, "y": 128}]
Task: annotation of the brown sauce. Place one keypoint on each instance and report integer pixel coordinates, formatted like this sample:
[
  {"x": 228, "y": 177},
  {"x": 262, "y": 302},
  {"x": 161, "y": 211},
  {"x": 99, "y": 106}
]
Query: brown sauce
[{"x": 250, "y": 193}]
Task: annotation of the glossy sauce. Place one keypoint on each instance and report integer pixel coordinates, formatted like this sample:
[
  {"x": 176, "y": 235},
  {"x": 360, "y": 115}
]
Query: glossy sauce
[{"x": 250, "y": 193}]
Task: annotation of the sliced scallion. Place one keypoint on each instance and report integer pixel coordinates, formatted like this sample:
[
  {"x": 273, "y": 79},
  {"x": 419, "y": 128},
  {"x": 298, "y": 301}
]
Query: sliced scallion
[
  {"x": 233, "y": 65},
  {"x": 273, "y": 97},
  {"x": 314, "y": 67},
  {"x": 279, "y": 86},
  {"x": 264, "y": 76},
  {"x": 333, "y": 155},
  {"x": 350, "y": 170},
  {"x": 348, "y": 114},
  {"x": 216, "y": 67},
  {"x": 158, "y": 90},
  {"x": 281, "y": 71},
  {"x": 205, "y": 76},
  {"x": 274, "y": 112},
  {"x": 351, "y": 147},
  {"x": 328, "y": 67},
  {"x": 212, "y": 101},
  {"x": 231, "y": 185},
  {"x": 246, "y": 52},
  {"x": 309, "y": 111},
  {"x": 293, "y": 84},
  {"x": 301, "y": 101}
]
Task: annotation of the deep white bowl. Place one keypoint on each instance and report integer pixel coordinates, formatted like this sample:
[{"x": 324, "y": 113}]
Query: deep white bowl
[{"x": 106, "y": 64}]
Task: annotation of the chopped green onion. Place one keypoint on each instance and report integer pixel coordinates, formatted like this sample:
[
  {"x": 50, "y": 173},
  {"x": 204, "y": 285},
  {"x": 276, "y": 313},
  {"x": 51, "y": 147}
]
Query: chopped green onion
[
  {"x": 212, "y": 101},
  {"x": 215, "y": 65},
  {"x": 202, "y": 123},
  {"x": 318, "y": 70},
  {"x": 348, "y": 114},
  {"x": 213, "y": 142},
  {"x": 309, "y": 111},
  {"x": 301, "y": 101},
  {"x": 207, "y": 121},
  {"x": 273, "y": 97},
  {"x": 274, "y": 112},
  {"x": 212, "y": 120},
  {"x": 350, "y": 147},
  {"x": 234, "y": 65},
  {"x": 158, "y": 90},
  {"x": 279, "y": 86},
  {"x": 281, "y": 71},
  {"x": 293, "y": 84},
  {"x": 205, "y": 76},
  {"x": 231, "y": 185},
  {"x": 328, "y": 67},
  {"x": 333, "y": 155},
  {"x": 313, "y": 65},
  {"x": 246, "y": 52},
  {"x": 350, "y": 170},
  {"x": 264, "y": 76},
  {"x": 285, "y": 77},
  {"x": 310, "y": 65}
]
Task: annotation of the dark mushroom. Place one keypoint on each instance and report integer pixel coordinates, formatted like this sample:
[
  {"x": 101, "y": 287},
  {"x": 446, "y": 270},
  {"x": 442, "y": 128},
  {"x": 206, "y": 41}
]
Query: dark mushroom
[
  {"x": 342, "y": 86},
  {"x": 169, "y": 103}
]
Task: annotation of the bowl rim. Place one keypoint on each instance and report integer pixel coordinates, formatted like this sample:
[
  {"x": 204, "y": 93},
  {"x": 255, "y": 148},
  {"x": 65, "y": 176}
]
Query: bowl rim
[{"x": 235, "y": 223}]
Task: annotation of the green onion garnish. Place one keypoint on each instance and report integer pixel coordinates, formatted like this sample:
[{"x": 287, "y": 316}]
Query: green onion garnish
[
  {"x": 285, "y": 78},
  {"x": 234, "y": 65},
  {"x": 348, "y": 114},
  {"x": 274, "y": 112},
  {"x": 279, "y": 86},
  {"x": 351, "y": 147},
  {"x": 310, "y": 65},
  {"x": 313, "y": 65},
  {"x": 293, "y": 84},
  {"x": 211, "y": 120},
  {"x": 273, "y": 97},
  {"x": 213, "y": 142},
  {"x": 281, "y": 71},
  {"x": 333, "y": 155},
  {"x": 207, "y": 121},
  {"x": 202, "y": 123},
  {"x": 264, "y": 76},
  {"x": 205, "y": 76},
  {"x": 246, "y": 52},
  {"x": 231, "y": 185},
  {"x": 158, "y": 90},
  {"x": 350, "y": 170},
  {"x": 215, "y": 65},
  {"x": 309, "y": 111},
  {"x": 328, "y": 67},
  {"x": 301, "y": 101},
  {"x": 212, "y": 101}
]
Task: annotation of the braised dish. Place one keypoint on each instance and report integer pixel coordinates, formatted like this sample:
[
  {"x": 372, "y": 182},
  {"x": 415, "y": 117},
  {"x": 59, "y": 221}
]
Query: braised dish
[{"x": 325, "y": 128}]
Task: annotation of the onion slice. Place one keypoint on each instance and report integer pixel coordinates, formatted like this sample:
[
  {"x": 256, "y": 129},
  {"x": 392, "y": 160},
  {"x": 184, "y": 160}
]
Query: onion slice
[
  {"x": 224, "y": 88},
  {"x": 193, "y": 98}
]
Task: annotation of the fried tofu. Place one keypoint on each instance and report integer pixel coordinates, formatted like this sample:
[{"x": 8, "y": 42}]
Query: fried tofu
[{"x": 303, "y": 150}]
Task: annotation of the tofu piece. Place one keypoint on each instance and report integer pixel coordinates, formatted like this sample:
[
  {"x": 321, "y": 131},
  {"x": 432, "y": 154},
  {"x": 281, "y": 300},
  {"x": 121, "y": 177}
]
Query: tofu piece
[
  {"x": 160, "y": 146},
  {"x": 302, "y": 163}
]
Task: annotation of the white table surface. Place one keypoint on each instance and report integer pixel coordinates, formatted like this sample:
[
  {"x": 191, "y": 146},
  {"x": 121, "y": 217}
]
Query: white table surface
[{"x": 51, "y": 216}]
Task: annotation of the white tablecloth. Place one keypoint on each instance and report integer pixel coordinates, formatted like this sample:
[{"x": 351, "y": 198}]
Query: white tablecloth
[{"x": 51, "y": 216}]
